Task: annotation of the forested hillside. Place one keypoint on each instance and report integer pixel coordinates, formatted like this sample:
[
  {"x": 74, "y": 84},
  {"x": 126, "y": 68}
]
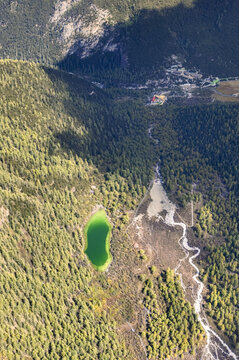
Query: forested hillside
[
  {"x": 25, "y": 32},
  {"x": 59, "y": 157},
  {"x": 28, "y": 30},
  {"x": 66, "y": 149},
  {"x": 199, "y": 150},
  {"x": 172, "y": 328},
  {"x": 100, "y": 36}
]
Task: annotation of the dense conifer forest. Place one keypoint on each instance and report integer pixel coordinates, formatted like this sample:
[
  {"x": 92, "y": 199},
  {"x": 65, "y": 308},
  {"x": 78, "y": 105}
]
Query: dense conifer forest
[
  {"x": 67, "y": 147},
  {"x": 172, "y": 328},
  {"x": 202, "y": 152}
]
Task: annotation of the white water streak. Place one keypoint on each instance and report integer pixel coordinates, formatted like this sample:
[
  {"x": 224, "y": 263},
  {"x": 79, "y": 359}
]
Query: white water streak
[{"x": 215, "y": 345}]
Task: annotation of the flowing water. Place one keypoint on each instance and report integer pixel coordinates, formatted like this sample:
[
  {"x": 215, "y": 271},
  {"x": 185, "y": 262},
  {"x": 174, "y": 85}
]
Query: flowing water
[{"x": 215, "y": 348}]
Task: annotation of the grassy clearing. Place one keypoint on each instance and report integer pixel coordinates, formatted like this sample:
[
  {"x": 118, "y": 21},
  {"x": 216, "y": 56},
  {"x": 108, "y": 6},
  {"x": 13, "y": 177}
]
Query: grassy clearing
[{"x": 228, "y": 88}]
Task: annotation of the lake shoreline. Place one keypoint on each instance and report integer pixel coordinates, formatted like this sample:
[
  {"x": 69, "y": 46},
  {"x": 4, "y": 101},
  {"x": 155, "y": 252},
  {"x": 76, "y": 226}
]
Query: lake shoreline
[{"x": 95, "y": 216}]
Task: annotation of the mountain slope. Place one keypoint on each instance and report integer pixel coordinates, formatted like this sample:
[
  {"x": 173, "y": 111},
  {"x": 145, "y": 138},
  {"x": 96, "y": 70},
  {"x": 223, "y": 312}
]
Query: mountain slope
[
  {"x": 199, "y": 163},
  {"x": 101, "y": 35},
  {"x": 51, "y": 303},
  {"x": 68, "y": 148}
]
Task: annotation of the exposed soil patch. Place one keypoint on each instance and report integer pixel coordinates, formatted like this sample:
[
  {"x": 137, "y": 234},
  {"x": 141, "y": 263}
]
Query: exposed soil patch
[
  {"x": 4, "y": 213},
  {"x": 160, "y": 242},
  {"x": 227, "y": 91}
]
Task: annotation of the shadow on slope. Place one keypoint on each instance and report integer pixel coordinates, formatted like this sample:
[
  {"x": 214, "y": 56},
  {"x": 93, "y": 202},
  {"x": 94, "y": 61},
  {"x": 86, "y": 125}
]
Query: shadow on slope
[
  {"x": 115, "y": 137},
  {"x": 205, "y": 34}
]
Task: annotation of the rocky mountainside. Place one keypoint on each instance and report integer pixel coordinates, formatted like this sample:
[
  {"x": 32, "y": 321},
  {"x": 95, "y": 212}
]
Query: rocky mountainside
[{"x": 96, "y": 35}]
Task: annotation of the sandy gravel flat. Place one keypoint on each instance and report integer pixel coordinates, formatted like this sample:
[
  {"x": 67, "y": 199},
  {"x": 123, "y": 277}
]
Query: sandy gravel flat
[{"x": 159, "y": 201}]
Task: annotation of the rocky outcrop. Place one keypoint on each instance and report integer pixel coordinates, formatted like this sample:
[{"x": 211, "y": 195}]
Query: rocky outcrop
[
  {"x": 4, "y": 213},
  {"x": 81, "y": 29}
]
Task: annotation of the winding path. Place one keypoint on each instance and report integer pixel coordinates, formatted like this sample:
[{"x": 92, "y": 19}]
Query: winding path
[{"x": 225, "y": 95}]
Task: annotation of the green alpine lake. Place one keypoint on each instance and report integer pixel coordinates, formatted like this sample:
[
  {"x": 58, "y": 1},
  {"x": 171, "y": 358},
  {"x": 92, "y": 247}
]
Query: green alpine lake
[{"x": 97, "y": 234}]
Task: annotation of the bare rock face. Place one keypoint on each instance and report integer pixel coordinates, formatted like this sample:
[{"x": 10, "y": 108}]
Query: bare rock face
[
  {"x": 81, "y": 29},
  {"x": 60, "y": 9},
  {"x": 4, "y": 213}
]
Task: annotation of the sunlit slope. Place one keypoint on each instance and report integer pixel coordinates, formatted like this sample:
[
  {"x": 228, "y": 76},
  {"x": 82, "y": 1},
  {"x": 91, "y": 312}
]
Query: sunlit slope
[{"x": 55, "y": 166}]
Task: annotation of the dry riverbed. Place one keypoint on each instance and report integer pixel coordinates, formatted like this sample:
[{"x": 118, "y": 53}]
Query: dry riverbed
[
  {"x": 161, "y": 230},
  {"x": 160, "y": 242}
]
